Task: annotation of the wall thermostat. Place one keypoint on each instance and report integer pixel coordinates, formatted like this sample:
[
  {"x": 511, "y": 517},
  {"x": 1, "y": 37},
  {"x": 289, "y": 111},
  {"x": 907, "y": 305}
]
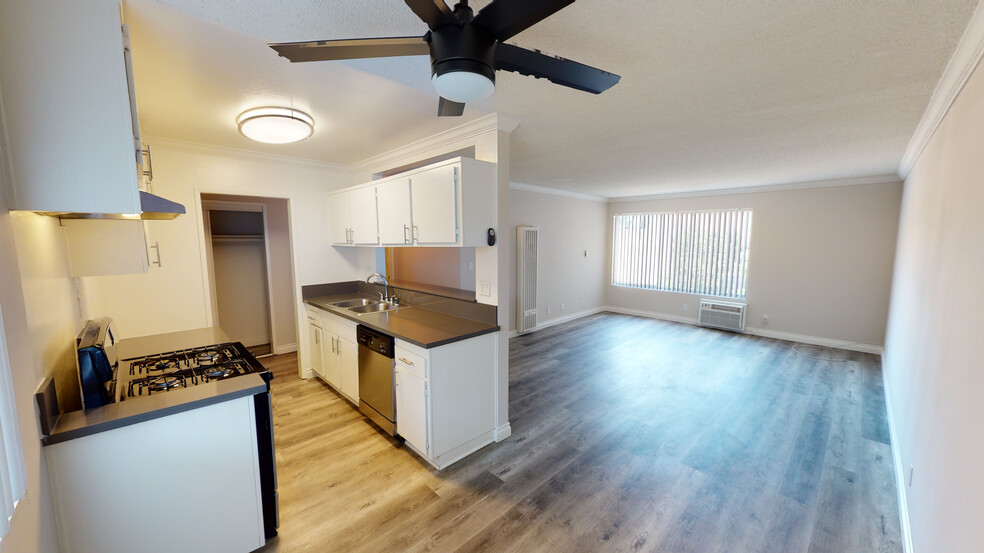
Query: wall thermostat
[{"x": 491, "y": 236}]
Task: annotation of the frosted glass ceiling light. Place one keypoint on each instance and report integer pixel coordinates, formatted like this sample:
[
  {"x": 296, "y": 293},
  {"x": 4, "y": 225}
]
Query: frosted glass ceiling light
[
  {"x": 463, "y": 86},
  {"x": 275, "y": 125}
]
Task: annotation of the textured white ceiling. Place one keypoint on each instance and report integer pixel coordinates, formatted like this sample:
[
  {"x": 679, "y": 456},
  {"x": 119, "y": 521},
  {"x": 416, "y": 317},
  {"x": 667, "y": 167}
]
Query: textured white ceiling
[{"x": 713, "y": 95}]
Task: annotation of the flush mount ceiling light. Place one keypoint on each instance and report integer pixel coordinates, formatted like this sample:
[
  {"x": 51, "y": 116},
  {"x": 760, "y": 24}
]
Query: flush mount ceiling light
[{"x": 274, "y": 125}]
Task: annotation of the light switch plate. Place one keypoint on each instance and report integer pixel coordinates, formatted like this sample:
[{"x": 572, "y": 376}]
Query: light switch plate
[{"x": 485, "y": 288}]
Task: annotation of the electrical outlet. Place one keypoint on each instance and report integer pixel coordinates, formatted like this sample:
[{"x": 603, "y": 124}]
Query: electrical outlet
[
  {"x": 485, "y": 288},
  {"x": 685, "y": 307},
  {"x": 561, "y": 307},
  {"x": 765, "y": 319}
]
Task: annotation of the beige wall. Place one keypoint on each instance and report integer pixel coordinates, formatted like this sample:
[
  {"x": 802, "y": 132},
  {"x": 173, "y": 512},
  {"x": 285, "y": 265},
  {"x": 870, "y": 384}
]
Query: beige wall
[
  {"x": 568, "y": 226},
  {"x": 934, "y": 353},
  {"x": 820, "y": 264},
  {"x": 446, "y": 267}
]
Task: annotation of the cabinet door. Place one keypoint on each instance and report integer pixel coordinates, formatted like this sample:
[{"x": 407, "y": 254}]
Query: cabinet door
[
  {"x": 338, "y": 218},
  {"x": 393, "y": 200},
  {"x": 348, "y": 368},
  {"x": 434, "y": 199},
  {"x": 330, "y": 360},
  {"x": 362, "y": 216},
  {"x": 314, "y": 346},
  {"x": 411, "y": 410}
]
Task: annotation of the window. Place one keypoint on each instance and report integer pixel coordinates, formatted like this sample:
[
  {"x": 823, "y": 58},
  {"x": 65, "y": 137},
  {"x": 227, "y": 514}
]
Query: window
[
  {"x": 12, "y": 477},
  {"x": 697, "y": 252}
]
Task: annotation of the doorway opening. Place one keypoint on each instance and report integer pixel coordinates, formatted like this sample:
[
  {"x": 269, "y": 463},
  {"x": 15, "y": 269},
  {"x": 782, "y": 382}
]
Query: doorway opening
[{"x": 247, "y": 244}]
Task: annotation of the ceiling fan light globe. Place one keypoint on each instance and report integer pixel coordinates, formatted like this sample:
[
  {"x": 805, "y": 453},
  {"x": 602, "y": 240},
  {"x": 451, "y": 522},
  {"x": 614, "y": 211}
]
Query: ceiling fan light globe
[
  {"x": 273, "y": 125},
  {"x": 463, "y": 86}
]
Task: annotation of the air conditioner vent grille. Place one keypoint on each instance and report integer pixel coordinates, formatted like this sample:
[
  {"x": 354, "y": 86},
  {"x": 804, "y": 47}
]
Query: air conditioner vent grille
[{"x": 724, "y": 315}]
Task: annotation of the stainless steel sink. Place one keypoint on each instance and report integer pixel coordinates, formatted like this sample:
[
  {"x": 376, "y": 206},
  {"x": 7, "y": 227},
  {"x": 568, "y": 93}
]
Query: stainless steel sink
[
  {"x": 375, "y": 307},
  {"x": 355, "y": 303}
]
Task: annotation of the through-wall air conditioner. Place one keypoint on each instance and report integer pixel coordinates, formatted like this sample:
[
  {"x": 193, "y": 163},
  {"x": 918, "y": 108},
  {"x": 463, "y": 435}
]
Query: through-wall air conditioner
[{"x": 722, "y": 314}]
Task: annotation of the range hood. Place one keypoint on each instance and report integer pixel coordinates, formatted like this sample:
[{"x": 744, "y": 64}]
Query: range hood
[{"x": 152, "y": 207}]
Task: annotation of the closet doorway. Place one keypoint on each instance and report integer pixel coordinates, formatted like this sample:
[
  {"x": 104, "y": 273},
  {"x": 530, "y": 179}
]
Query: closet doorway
[{"x": 247, "y": 242}]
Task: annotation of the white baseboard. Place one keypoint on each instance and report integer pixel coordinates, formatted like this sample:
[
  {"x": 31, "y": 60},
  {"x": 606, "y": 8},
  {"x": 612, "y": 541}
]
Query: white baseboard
[
  {"x": 767, "y": 333},
  {"x": 652, "y": 315},
  {"x": 561, "y": 320},
  {"x": 286, "y": 348},
  {"x": 502, "y": 432},
  {"x": 816, "y": 341},
  {"x": 900, "y": 480}
]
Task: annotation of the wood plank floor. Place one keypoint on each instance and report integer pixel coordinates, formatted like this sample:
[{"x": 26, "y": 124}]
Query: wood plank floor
[{"x": 629, "y": 434}]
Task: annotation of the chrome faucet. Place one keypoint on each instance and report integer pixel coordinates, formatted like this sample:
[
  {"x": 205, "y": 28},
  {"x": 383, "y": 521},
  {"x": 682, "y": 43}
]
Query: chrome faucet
[{"x": 382, "y": 296}]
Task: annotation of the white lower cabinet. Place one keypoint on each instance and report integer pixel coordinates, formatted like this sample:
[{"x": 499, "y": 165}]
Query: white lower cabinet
[
  {"x": 445, "y": 398},
  {"x": 334, "y": 355},
  {"x": 412, "y": 408}
]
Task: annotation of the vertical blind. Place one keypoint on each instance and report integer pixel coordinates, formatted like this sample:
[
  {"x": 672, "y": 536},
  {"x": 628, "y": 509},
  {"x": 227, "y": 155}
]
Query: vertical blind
[
  {"x": 12, "y": 476},
  {"x": 697, "y": 252}
]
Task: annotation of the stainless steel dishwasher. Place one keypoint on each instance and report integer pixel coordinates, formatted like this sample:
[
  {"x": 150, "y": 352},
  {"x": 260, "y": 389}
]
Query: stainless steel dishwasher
[{"x": 376, "y": 395}]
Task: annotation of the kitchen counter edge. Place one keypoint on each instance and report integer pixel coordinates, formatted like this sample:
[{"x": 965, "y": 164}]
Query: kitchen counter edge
[
  {"x": 324, "y": 303},
  {"x": 79, "y": 424}
]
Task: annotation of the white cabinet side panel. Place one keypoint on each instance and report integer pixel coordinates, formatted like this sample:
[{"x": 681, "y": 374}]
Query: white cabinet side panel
[
  {"x": 186, "y": 482},
  {"x": 462, "y": 392}
]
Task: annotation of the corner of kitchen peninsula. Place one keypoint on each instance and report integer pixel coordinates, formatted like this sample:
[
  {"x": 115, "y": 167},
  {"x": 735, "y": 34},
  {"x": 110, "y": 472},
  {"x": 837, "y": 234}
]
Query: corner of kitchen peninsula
[
  {"x": 419, "y": 361},
  {"x": 160, "y": 413}
]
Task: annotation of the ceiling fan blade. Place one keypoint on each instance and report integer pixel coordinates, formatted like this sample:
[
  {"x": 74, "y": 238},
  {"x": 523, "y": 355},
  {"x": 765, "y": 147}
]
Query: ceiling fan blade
[
  {"x": 507, "y": 18},
  {"x": 447, "y": 108},
  {"x": 348, "y": 49},
  {"x": 432, "y": 12},
  {"x": 553, "y": 68}
]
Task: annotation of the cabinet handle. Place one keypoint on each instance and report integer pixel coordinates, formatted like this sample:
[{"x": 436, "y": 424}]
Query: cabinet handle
[
  {"x": 338, "y": 346},
  {"x": 407, "y": 361},
  {"x": 316, "y": 339},
  {"x": 333, "y": 349},
  {"x": 416, "y": 234},
  {"x": 406, "y": 236},
  {"x": 157, "y": 249}
]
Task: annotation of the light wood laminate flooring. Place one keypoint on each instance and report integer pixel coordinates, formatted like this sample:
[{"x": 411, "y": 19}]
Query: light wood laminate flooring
[{"x": 628, "y": 434}]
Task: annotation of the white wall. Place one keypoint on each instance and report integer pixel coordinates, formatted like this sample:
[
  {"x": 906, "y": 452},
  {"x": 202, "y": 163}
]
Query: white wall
[
  {"x": 934, "y": 352},
  {"x": 820, "y": 262},
  {"x": 36, "y": 347},
  {"x": 568, "y": 226},
  {"x": 176, "y": 297}
]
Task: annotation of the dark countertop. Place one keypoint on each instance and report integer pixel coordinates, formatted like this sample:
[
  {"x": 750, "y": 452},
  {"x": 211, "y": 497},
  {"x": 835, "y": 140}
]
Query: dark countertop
[
  {"x": 135, "y": 410},
  {"x": 414, "y": 324}
]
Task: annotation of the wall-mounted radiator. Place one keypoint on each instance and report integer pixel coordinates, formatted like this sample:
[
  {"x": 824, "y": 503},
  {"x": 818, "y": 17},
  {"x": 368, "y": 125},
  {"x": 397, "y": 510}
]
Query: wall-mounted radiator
[
  {"x": 527, "y": 246},
  {"x": 722, "y": 314}
]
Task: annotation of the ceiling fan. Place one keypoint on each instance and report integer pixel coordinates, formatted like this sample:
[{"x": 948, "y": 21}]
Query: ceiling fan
[{"x": 466, "y": 49}]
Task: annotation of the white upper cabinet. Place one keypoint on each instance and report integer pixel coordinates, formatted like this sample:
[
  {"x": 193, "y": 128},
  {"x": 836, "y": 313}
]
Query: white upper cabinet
[
  {"x": 434, "y": 202},
  {"x": 352, "y": 217},
  {"x": 362, "y": 203},
  {"x": 395, "y": 222},
  {"x": 68, "y": 111}
]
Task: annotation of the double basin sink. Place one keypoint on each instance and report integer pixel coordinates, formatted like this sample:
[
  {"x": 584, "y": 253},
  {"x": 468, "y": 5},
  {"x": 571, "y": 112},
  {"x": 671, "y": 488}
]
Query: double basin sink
[{"x": 364, "y": 306}]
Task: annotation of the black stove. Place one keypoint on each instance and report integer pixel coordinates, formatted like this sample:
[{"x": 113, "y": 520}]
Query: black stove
[{"x": 186, "y": 368}]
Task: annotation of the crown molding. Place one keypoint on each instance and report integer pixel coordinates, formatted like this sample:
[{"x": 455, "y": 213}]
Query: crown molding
[
  {"x": 480, "y": 126},
  {"x": 556, "y": 192},
  {"x": 962, "y": 65},
  {"x": 225, "y": 151},
  {"x": 830, "y": 183}
]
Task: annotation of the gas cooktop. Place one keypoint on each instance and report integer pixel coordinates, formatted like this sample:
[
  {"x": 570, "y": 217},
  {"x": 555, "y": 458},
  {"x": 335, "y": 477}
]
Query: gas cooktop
[{"x": 180, "y": 369}]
